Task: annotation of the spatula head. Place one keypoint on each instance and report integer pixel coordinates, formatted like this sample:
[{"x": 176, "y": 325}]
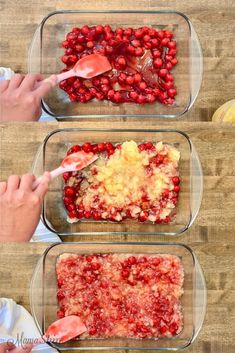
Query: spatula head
[
  {"x": 65, "y": 329},
  {"x": 92, "y": 65},
  {"x": 78, "y": 160}
]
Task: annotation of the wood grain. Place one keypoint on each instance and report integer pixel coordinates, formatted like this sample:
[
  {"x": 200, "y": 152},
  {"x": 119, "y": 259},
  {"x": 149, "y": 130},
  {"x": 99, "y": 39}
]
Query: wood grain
[
  {"x": 214, "y": 21},
  {"x": 212, "y": 236}
]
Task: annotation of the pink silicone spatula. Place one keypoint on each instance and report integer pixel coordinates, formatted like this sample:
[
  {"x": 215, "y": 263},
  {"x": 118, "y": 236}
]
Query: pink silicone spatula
[
  {"x": 71, "y": 163},
  {"x": 87, "y": 67},
  {"x": 65, "y": 329},
  {"x": 59, "y": 331}
]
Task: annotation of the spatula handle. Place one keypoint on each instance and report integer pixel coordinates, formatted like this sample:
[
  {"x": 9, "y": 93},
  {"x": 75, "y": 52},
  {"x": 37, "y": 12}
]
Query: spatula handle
[
  {"x": 64, "y": 75},
  {"x": 54, "y": 173}
]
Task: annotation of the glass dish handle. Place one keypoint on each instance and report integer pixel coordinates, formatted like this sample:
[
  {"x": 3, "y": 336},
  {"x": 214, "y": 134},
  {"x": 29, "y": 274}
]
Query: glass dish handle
[
  {"x": 38, "y": 162},
  {"x": 35, "y": 296},
  {"x": 34, "y": 53},
  {"x": 196, "y": 65},
  {"x": 200, "y": 298},
  {"x": 196, "y": 184}
]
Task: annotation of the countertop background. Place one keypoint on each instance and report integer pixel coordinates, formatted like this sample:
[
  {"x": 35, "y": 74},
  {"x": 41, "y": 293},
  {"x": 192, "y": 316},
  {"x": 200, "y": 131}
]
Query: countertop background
[
  {"x": 214, "y": 21},
  {"x": 213, "y": 234}
]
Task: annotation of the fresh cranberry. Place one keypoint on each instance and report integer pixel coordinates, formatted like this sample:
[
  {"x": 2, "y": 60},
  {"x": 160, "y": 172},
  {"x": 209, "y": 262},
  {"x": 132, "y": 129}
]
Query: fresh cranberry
[
  {"x": 99, "y": 29},
  {"x": 73, "y": 149},
  {"x": 164, "y": 42},
  {"x": 104, "y": 284},
  {"x": 174, "y": 61},
  {"x": 130, "y": 80},
  {"x": 162, "y": 73},
  {"x": 161, "y": 34},
  {"x": 156, "y": 53},
  {"x": 86, "y": 147},
  {"x": 143, "y": 216},
  {"x": 163, "y": 329},
  {"x": 96, "y": 216},
  {"x": 149, "y": 145},
  {"x": 73, "y": 214},
  {"x": 101, "y": 147},
  {"x": 69, "y": 191},
  {"x": 177, "y": 188},
  {"x": 165, "y": 193},
  {"x": 125, "y": 274},
  {"x": 132, "y": 260},
  {"x": 171, "y": 44},
  {"x": 169, "y": 77},
  {"x": 95, "y": 266},
  {"x": 139, "y": 51},
  {"x": 172, "y": 92},
  {"x": 142, "y": 85},
  {"x": 66, "y": 176},
  {"x": 138, "y": 33},
  {"x": 60, "y": 314},
  {"x": 141, "y": 99},
  {"x": 92, "y": 331},
  {"x": 85, "y": 29},
  {"x": 70, "y": 207},
  {"x": 60, "y": 295},
  {"x": 121, "y": 61},
  {"x": 158, "y": 159},
  {"x": 87, "y": 214},
  {"x": 79, "y": 48},
  {"x": 169, "y": 66},
  {"x": 67, "y": 200},
  {"x": 133, "y": 95},
  {"x": 172, "y": 52},
  {"x": 176, "y": 180},
  {"x": 157, "y": 63}
]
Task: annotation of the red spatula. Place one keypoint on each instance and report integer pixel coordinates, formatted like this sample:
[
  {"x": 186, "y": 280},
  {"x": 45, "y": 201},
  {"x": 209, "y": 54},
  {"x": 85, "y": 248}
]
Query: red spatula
[
  {"x": 59, "y": 331},
  {"x": 71, "y": 163},
  {"x": 65, "y": 329},
  {"x": 87, "y": 67}
]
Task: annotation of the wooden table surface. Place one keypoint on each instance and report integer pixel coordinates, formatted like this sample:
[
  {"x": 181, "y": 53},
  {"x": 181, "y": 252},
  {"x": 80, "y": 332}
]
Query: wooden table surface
[
  {"x": 214, "y": 21},
  {"x": 212, "y": 236}
]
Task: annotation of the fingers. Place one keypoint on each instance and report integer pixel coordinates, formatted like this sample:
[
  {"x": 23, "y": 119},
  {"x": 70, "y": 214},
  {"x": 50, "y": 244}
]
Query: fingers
[
  {"x": 15, "y": 81},
  {"x": 13, "y": 183},
  {"x": 43, "y": 186},
  {"x": 46, "y": 86},
  {"x": 5, "y": 347},
  {"x": 4, "y": 85},
  {"x": 30, "y": 81},
  {"x": 3, "y": 187},
  {"x": 27, "y": 182}
]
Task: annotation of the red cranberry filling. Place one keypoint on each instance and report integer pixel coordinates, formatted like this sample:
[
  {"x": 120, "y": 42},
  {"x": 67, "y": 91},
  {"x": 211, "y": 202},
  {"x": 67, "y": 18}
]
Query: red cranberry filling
[
  {"x": 122, "y": 295},
  {"x": 149, "y": 195},
  {"x": 141, "y": 59}
]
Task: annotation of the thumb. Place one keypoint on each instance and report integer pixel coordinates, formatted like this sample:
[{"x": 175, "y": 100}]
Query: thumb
[{"x": 45, "y": 86}]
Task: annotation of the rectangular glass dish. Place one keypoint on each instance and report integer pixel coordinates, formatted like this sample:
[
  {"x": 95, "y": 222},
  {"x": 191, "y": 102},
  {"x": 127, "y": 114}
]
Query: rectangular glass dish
[
  {"x": 43, "y": 294},
  {"x": 54, "y": 149},
  {"x": 45, "y": 53}
]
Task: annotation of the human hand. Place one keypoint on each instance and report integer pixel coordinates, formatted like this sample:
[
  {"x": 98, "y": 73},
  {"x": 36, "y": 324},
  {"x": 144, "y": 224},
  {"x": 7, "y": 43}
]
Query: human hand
[
  {"x": 20, "y": 97},
  {"x": 20, "y": 206},
  {"x": 6, "y": 347},
  {"x": 11, "y": 348}
]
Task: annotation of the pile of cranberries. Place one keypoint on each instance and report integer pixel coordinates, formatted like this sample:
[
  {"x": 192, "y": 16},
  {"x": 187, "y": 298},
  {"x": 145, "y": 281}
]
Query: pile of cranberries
[
  {"x": 122, "y": 295},
  {"x": 141, "y": 58},
  {"x": 148, "y": 211}
]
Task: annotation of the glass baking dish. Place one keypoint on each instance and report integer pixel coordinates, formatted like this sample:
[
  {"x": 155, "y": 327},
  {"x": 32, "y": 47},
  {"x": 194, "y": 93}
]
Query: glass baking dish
[
  {"x": 43, "y": 289},
  {"x": 45, "y": 52},
  {"x": 53, "y": 151}
]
